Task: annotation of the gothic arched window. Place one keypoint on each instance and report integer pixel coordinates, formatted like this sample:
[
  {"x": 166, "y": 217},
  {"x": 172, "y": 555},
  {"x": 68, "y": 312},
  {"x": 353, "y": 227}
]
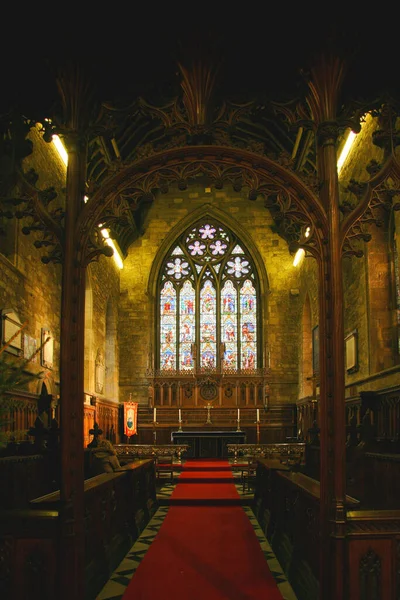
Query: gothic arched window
[{"x": 208, "y": 299}]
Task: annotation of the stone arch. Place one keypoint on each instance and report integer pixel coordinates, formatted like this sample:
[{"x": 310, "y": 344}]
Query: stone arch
[
  {"x": 283, "y": 190},
  {"x": 111, "y": 362},
  {"x": 209, "y": 211},
  {"x": 49, "y": 382}
]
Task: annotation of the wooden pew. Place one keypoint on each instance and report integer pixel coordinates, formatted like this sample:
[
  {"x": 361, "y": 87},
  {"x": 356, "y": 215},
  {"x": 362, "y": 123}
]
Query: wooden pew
[
  {"x": 290, "y": 452},
  {"x": 118, "y": 506},
  {"x": 286, "y": 504},
  {"x": 135, "y": 451}
]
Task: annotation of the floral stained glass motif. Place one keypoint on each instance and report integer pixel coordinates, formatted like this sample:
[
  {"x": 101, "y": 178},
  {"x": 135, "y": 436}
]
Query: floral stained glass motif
[
  {"x": 238, "y": 266},
  {"x": 178, "y": 268},
  {"x": 218, "y": 248},
  {"x": 208, "y": 302},
  {"x": 197, "y": 248},
  {"x": 207, "y": 231}
]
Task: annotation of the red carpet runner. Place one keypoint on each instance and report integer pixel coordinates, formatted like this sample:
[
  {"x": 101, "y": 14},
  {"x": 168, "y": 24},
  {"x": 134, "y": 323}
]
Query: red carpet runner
[{"x": 204, "y": 552}]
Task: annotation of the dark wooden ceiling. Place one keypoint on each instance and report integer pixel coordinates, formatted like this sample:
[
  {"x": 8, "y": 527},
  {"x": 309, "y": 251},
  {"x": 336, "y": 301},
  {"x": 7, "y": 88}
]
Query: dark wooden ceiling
[{"x": 140, "y": 84}]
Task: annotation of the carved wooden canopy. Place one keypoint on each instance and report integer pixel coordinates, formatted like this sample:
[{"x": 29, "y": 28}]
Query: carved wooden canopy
[{"x": 194, "y": 131}]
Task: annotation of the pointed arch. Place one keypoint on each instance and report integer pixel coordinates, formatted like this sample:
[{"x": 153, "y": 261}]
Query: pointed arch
[
  {"x": 212, "y": 212},
  {"x": 207, "y": 282},
  {"x": 111, "y": 362}
]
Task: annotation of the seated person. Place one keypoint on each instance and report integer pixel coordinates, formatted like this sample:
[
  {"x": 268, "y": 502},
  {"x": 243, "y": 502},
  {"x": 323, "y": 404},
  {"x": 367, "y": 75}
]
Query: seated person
[{"x": 107, "y": 455}]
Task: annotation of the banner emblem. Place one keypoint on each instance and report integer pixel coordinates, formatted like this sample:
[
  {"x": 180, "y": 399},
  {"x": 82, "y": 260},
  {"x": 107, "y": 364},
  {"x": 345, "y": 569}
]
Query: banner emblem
[{"x": 130, "y": 418}]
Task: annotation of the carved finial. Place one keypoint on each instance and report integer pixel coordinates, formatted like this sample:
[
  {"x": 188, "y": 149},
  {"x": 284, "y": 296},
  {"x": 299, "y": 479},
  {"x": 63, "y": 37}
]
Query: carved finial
[
  {"x": 197, "y": 85},
  {"x": 77, "y": 95},
  {"x": 324, "y": 83},
  {"x": 198, "y": 65}
]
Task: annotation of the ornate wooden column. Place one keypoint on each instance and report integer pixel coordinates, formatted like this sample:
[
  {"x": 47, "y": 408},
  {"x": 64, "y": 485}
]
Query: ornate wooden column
[
  {"x": 78, "y": 107},
  {"x": 72, "y": 388},
  {"x": 324, "y": 87},
  {"x": 71, "y": 374}
]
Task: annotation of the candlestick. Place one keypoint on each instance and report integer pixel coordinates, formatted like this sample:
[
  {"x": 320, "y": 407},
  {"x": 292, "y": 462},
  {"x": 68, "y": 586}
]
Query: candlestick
[
  {"x": 209, "y": 414},
  {"x": 258, "y": 415},
  {"x": 238, "y": 421},
  {"x": 154, "y": 414},
  {"x": 180, "y": 415}
]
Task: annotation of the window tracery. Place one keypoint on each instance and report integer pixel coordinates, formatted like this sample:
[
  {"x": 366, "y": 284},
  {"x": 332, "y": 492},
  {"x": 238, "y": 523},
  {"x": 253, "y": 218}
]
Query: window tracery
[{"x": 208, "y": 302}]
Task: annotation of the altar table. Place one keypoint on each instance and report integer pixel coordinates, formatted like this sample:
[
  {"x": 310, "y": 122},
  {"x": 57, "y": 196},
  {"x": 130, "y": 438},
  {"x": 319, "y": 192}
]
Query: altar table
[{"x": 208, "y": 444}]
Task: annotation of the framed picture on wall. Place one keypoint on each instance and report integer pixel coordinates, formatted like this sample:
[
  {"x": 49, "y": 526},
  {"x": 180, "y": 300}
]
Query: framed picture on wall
[
  {"x": 47, "y": 348},
  {"x": 11, "y": 331},
  {"x": 351, "y": 350},
  {"x": 30, "y": 348},
  {"x": 315, "y": 349}
]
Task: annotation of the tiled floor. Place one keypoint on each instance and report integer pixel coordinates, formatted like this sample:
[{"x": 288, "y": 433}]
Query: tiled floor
[{"x": 115, "y": 587}]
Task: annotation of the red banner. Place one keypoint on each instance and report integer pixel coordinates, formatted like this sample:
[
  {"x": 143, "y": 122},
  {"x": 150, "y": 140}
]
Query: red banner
[{"x": 130, "y": 418}]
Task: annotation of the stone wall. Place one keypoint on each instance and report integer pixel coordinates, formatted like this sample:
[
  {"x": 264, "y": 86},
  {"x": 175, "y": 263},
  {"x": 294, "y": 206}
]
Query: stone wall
[
  {"x": 33, "y": 289},
  {"x": 308, "y": 294},
  {"x": 280, "y": 308},
  {"x": 101, "y": 330},
  {"x": 367, "y": 282},
  {"x": 120, "y": 309},
  {"x": 27, "y": 285}
]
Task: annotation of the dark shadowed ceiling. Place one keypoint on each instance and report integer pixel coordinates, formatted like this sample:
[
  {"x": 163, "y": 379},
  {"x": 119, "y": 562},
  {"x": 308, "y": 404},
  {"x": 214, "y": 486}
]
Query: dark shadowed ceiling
[{"x": 258, "y": 58}]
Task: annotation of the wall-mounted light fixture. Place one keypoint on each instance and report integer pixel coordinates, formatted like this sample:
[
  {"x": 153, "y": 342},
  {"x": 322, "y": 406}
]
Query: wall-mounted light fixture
[
  {"x": 58, "y": 144},
  {"x": 300, "y": 254},
  {"x": 113, "y": 244},
  {"x": 351, "y": 136}
]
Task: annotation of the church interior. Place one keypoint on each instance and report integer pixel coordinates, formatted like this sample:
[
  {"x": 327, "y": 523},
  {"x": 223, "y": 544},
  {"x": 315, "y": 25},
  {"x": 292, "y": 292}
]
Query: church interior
[{"x": 193, "y": 275}]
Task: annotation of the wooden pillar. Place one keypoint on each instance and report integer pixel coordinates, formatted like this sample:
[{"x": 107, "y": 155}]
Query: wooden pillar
[
  {"x": 72, "y": 384},
  {"x": 326, "y": 80},
  {"x": 78, "y": 106}
]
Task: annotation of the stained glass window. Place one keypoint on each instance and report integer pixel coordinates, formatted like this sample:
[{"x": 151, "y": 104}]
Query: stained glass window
[
  {"x": 208, "y": 302},
  {"x": 187, "y": 325}
]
